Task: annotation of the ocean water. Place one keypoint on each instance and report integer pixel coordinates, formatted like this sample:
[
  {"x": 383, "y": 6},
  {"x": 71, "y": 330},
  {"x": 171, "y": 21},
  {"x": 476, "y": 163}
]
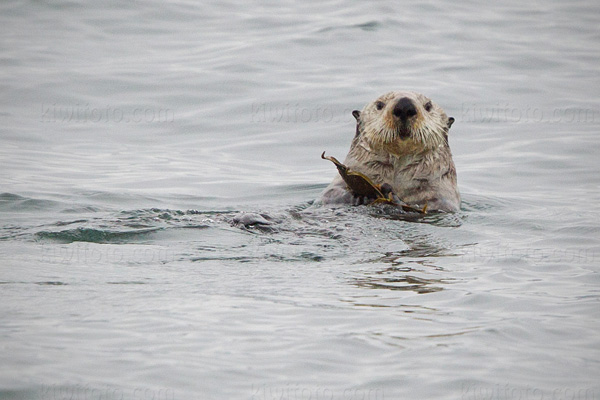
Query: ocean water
[{"x": 132, "y": 132}]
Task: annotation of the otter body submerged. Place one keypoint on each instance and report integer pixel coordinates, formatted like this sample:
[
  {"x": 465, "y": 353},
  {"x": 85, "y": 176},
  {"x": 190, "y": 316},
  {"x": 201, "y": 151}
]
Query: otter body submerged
[{"x": 402, "y": 140}]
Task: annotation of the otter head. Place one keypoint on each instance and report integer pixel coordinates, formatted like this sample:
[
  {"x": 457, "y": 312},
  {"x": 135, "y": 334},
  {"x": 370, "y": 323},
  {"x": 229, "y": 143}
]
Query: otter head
[{"x": 402, "y": 122}]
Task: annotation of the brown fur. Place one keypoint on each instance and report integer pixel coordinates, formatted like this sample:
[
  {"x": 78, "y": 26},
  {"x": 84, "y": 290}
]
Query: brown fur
[{"x": 402, "y": 139}]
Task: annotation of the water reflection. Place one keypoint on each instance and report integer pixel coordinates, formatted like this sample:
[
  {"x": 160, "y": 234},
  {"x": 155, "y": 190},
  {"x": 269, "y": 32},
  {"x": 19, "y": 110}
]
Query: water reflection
[
  {"x": 406, "y": 282},
  {"x": 414, "y": 269},
  {"x": 440, "y": 219},
  {"x": 404, "y": 275}
]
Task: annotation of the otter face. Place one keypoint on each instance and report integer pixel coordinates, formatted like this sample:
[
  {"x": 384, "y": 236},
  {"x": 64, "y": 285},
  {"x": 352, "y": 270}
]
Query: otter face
[{"x": 403, "y": 121}]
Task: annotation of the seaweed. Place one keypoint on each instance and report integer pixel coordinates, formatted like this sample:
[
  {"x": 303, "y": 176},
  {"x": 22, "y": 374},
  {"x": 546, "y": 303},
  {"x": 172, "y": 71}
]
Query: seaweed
[{"x": 361, "y": 185}]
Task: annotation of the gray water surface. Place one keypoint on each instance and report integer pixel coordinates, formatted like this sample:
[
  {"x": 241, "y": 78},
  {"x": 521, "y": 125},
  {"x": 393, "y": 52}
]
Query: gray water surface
[{"x": 133, "y": 132}]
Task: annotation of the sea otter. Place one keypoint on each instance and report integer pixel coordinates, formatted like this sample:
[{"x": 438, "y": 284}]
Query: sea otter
[{"x": 401, "y": 142}]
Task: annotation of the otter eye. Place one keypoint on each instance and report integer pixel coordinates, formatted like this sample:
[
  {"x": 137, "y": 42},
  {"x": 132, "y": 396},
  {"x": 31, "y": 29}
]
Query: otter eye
[
  {"x": 428, "y": 106},
  {"x": 380, "y": 105}
]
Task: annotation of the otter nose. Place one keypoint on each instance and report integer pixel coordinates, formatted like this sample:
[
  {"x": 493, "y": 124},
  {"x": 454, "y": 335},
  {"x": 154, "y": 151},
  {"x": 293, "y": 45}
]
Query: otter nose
[{"x": 405, "y": 108}]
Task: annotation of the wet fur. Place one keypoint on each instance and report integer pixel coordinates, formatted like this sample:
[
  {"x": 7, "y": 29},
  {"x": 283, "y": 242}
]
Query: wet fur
[{"x": 414, "y": 157}]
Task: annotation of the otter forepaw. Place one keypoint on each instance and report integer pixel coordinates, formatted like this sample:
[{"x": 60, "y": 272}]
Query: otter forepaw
[{"x": 360, "y": 200}]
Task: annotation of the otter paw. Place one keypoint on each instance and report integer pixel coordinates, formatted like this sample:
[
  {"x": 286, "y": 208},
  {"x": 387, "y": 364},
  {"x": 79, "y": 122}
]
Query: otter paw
[
  {"x": 251, "y": 219},
  {"x": 359, "y": 200}
]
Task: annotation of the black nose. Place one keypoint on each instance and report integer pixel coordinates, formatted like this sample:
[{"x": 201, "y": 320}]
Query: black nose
[{"x": 405, "y": 108}]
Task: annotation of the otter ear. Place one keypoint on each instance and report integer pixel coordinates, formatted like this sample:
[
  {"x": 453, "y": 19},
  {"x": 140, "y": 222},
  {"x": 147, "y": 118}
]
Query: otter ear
[
  {"x": 356, "y": 115},
  {"x": 450, "y": 122}
]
